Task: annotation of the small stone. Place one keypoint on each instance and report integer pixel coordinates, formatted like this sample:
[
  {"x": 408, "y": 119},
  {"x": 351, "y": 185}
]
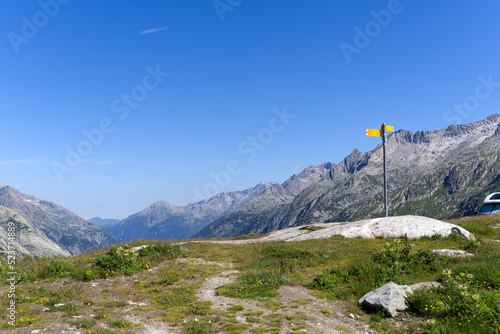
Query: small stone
[
  {"x": 58, "y": 305},
  {"x": 35, "y": 331},
  {"x": 46, "y": 309},
  {"x": 77, "y": 316},
  {"x": 142, "y": 304},
  {"x": 425, "y": 285},
  {"x": 352, "y": 316}
]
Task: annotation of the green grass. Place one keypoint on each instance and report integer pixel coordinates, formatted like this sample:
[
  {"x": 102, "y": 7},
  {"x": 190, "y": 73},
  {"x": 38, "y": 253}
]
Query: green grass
[
  {"x": 195, "y": 327},
  {"x": 398, "y": 263},
  {"x": 84, "y": 323},
  {"x": 120, "y": 324}
]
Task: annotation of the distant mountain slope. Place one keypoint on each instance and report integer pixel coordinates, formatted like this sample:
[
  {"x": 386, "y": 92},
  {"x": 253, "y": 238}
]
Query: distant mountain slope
[
  {"x": 67, "y": 229},
  {"x": 262, "y": 209},
  {"x": 162, "y": 220},
  {"x": 104, "y": 223},
  {"x": 440, "y": 174},
  {"x": 28, "y": 239}
]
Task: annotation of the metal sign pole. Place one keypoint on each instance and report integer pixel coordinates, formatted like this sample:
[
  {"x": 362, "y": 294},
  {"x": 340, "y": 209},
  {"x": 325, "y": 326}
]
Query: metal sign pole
[
  {"x": 382, "y": 128},
  {"x": 381, "y": 133}
]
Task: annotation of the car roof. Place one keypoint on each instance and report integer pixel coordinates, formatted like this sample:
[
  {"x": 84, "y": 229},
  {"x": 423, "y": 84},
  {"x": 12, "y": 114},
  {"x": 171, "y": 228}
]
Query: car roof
[{"x": 492, "y": 198}]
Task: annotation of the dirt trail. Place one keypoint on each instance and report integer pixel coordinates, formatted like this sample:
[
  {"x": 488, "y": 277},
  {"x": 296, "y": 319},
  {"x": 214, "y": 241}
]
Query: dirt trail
[{"x": 297, "y": 308}]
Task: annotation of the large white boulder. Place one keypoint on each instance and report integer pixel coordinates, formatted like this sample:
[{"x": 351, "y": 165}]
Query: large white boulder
[{"x": 397, "y": 227}]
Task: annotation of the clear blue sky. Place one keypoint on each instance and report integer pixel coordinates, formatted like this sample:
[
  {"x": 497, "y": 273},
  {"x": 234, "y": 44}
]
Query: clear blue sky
[{"x": 338, "y": 66}]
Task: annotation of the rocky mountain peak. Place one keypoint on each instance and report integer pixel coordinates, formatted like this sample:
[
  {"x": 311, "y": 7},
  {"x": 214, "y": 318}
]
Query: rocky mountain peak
[
  {"x": 312, "y": 174},
  {"x": 352, "y": 161},
  {"x": 418, "y": 137},
  {"x": 455, "y": 130}
]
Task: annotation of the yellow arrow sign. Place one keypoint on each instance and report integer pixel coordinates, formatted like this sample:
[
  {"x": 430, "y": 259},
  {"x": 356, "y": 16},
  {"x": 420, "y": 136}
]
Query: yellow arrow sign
[
  {"x": 373, "y": 133},
  {"x": 387, "y": 127}
]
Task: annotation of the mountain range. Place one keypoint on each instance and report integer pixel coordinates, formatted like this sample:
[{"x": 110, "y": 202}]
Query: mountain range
[
  {"x": 165, "y": 221},
  {"x": 68, "y": 230},
  {"x": 441, "y": 174}
]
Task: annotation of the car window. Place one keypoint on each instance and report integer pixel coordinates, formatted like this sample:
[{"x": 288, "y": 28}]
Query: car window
[
  {"x": 496, "y": 209},
  {"x": 486, "y": 209}
]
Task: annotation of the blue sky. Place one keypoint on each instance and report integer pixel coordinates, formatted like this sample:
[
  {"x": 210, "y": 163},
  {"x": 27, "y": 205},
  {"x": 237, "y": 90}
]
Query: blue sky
[{"x": 176, "y": 100}]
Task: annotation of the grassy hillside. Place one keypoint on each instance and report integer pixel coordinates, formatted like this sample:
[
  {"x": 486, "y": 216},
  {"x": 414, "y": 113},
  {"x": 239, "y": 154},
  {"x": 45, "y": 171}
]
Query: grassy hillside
[{"x": 311, "y": 286}]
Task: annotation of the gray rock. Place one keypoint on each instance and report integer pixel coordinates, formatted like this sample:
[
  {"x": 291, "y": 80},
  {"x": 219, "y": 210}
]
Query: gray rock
[
  {"x": 425, "y": 285},
  {"x": 390, "y": 297},
  {"x": 138, "y": 247},
  {"x": 452, "y": 252}
]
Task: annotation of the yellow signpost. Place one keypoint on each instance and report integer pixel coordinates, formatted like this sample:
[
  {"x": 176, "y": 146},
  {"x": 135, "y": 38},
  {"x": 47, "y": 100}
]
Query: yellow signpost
[
  {"x": 373, "y": 133},
  {"x": 381, "y": 133}
]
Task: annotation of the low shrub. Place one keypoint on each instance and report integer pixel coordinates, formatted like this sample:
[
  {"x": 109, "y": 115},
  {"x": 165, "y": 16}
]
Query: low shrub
[
  {"x": 457, "y": 305},
  {"x": 126, "y": 261}
]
